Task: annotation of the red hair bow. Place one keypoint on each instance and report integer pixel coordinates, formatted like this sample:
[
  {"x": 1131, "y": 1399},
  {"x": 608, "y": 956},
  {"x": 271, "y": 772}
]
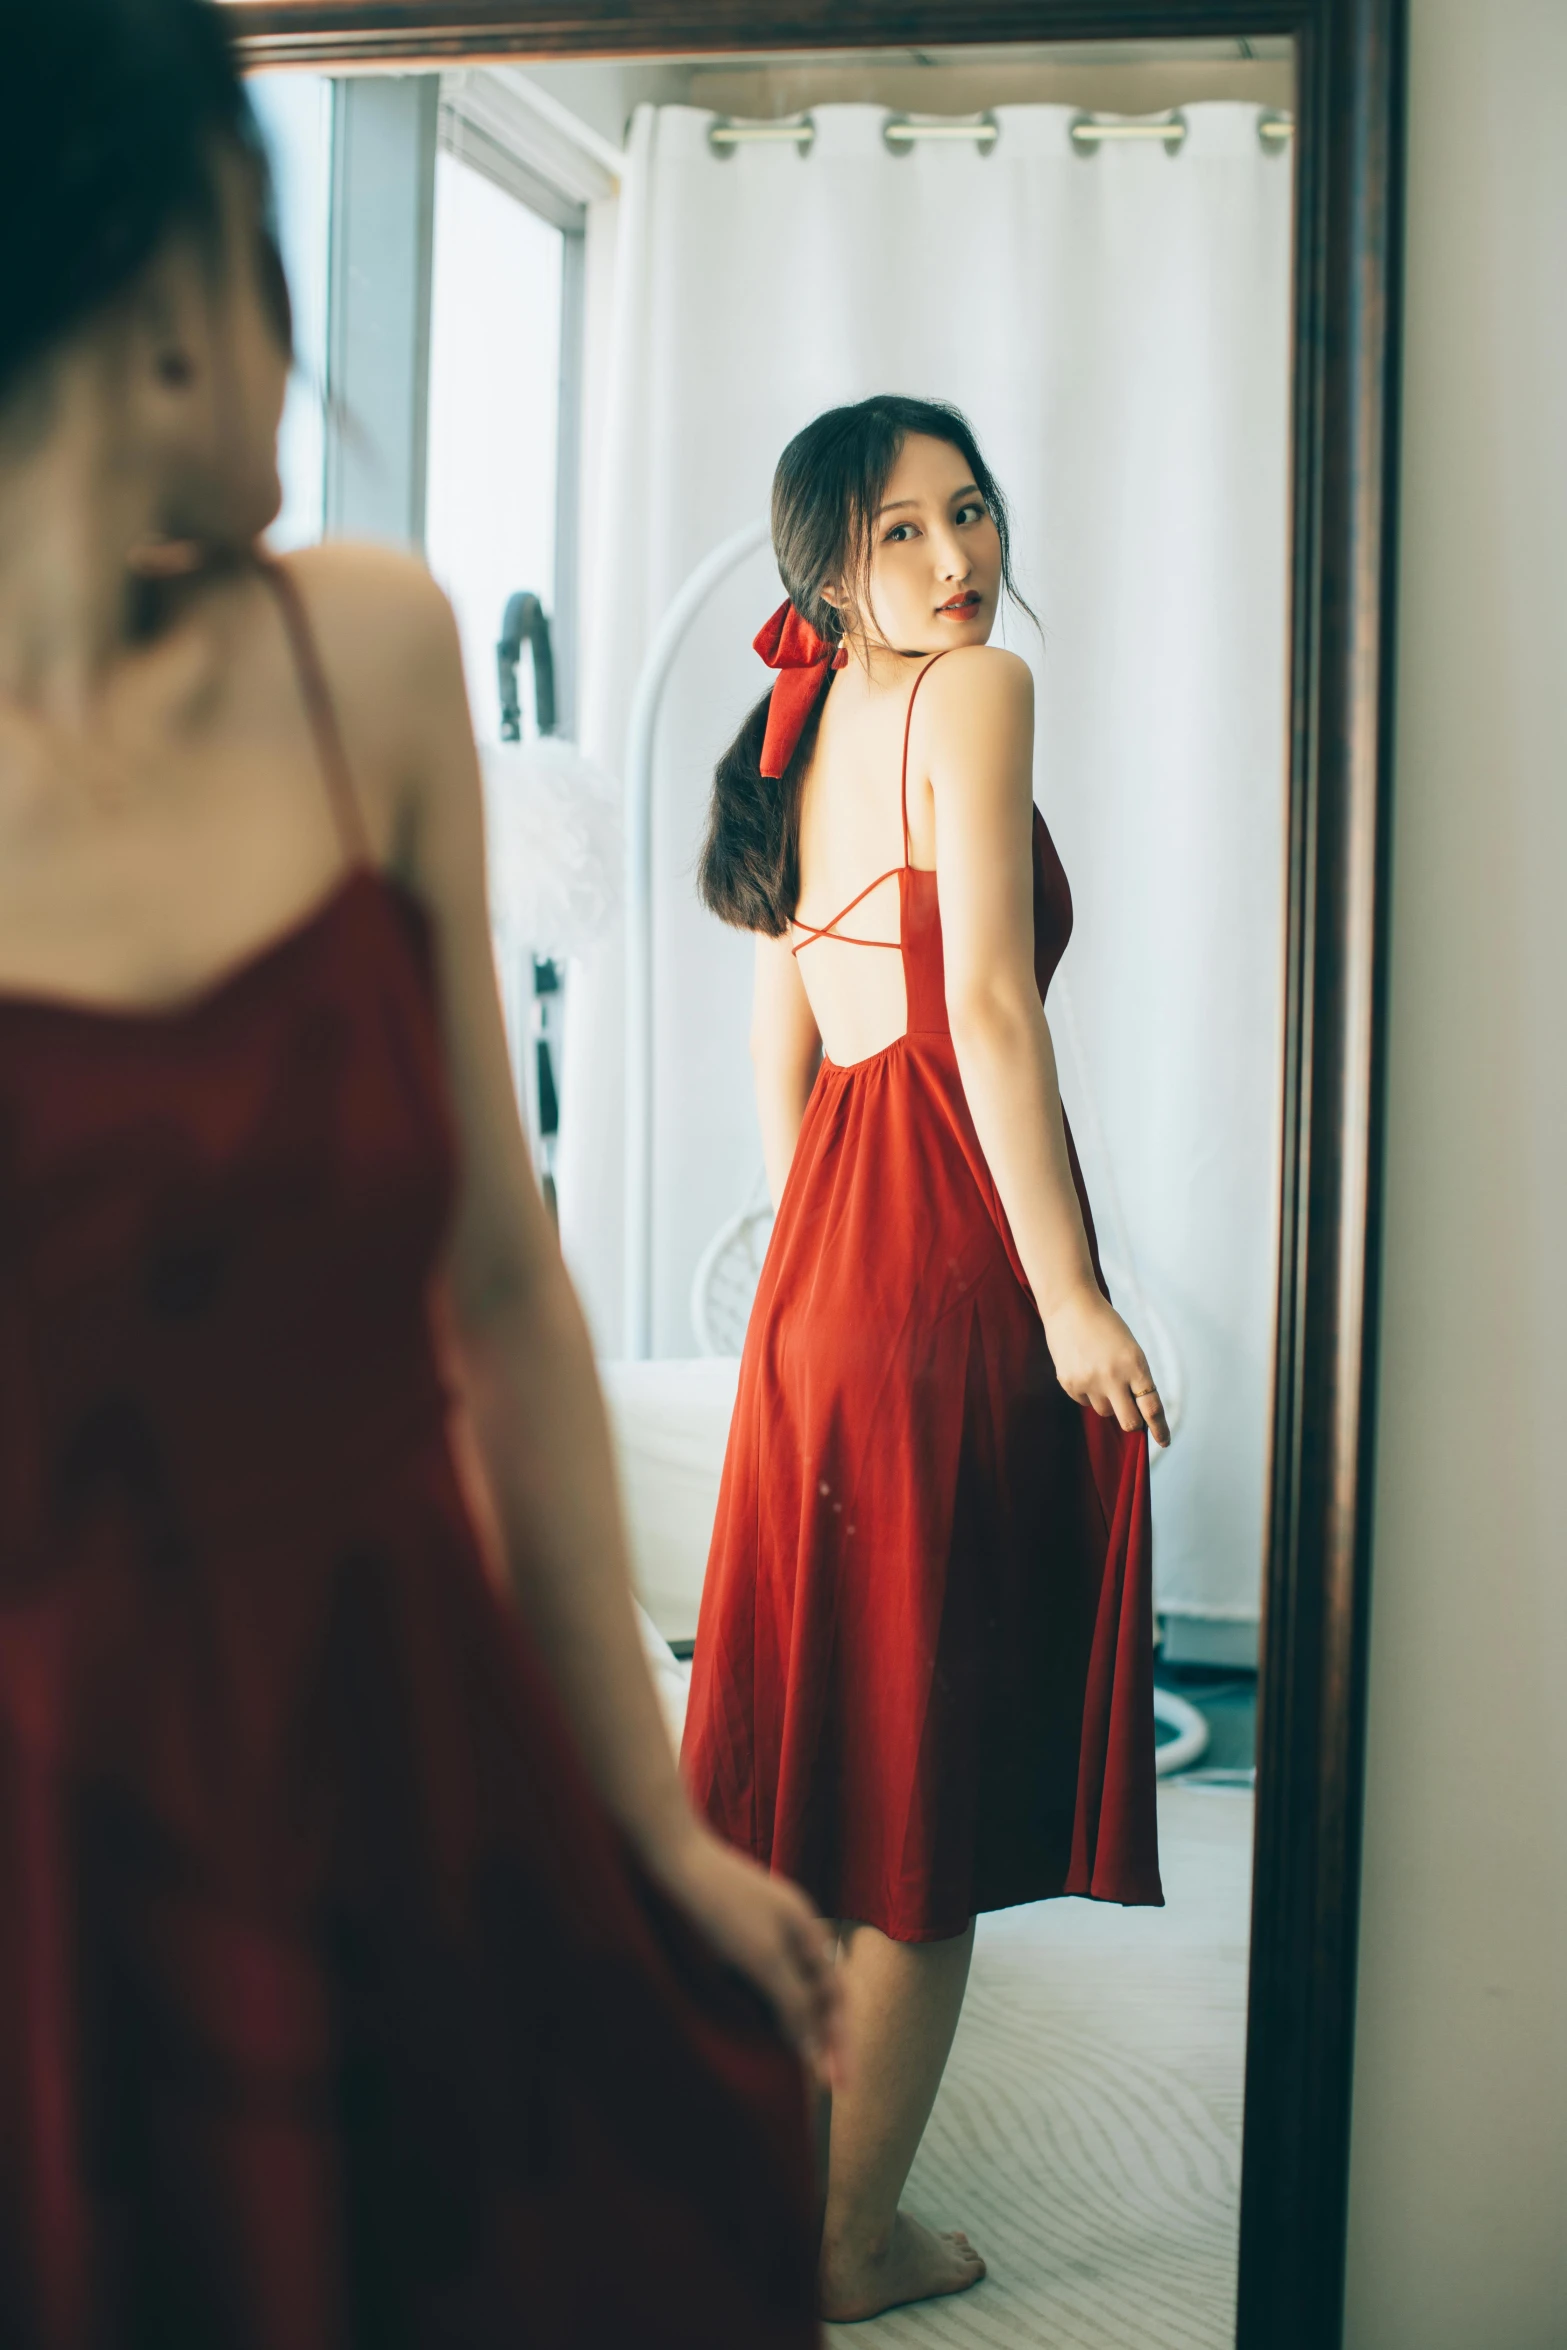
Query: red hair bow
[{"x": 789, "y": 644}]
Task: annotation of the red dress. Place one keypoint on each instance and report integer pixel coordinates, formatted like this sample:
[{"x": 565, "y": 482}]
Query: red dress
[
  {"x": 332, "y": 2011},
  {"x": 923, "y": 1682}
]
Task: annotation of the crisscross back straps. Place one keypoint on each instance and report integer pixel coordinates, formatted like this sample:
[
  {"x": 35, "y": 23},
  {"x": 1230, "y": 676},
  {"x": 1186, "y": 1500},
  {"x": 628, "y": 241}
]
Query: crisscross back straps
[
  {"x": 831, "y": 930},
  {"x": 319, "y": 710}
]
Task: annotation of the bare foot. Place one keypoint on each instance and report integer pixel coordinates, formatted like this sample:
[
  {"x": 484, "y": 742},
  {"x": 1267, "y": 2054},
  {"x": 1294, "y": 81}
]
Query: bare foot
[{"x": 916, "y": 2265}]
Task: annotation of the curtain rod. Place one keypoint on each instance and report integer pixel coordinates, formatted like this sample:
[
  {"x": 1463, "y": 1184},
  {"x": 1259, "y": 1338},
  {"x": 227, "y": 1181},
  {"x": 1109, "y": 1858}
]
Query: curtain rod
[{"x": 900, "y": 132}]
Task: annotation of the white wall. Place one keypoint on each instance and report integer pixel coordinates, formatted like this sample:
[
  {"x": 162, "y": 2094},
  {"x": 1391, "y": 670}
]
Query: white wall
[{"x": 1458, "y": 2237}]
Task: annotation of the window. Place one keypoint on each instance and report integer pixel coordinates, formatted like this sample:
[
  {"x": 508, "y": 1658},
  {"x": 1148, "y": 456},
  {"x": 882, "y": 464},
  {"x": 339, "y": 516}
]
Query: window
[
  {"x": 295, "y": 113},
  {"x": 434, "y": 241},
  {"x": 495, "y": 352},
  {"x": 436, "y": 270}
]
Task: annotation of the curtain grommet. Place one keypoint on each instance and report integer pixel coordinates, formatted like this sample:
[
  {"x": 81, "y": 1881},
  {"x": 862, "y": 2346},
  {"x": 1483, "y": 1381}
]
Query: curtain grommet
[
  {"x": 724, "y": 135},
  {"x": 1088, "y": 133},
  {"x": 902, "y": 133}
]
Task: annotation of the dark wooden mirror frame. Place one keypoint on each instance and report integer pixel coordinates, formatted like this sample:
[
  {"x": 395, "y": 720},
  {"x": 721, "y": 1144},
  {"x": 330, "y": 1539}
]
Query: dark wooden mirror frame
[{"x": 1348, "y": 161}]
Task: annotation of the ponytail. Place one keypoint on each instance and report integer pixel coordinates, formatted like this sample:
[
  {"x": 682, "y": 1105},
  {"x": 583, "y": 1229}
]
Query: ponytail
[{"x": 749, "y": 873}]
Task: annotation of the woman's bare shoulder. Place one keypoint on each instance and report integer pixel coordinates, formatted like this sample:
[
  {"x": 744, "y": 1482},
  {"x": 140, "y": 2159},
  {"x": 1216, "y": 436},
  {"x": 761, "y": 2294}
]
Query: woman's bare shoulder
[
  {"x": 975, "y": 694},
  {"x": 372, "y": 605},
  {"x": 972, "y": 679},
  {"x": 388, "y": 643}
]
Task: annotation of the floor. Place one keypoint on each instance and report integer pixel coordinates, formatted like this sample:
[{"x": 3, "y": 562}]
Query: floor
[{"x": 1087, "y": 2134}]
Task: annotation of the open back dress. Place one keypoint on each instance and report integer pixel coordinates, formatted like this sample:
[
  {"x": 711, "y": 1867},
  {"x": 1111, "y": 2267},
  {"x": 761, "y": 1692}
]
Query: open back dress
[
  {"x": 923, "y": 1679},
  {"x": 333, "y": 2011}
]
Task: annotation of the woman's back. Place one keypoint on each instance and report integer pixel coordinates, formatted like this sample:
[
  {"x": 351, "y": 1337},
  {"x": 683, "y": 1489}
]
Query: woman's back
[{"x": 864, "y": 773}]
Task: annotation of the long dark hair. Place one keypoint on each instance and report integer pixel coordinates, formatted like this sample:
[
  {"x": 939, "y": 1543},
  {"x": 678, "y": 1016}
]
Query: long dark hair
[
  {"x": 117, "y": 114},
  {"x": 826, "y": 490}
]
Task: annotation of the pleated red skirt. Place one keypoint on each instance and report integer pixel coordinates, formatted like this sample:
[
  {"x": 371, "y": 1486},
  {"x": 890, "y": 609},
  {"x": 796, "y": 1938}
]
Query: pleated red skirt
[{"x": 923, "y": 1683}]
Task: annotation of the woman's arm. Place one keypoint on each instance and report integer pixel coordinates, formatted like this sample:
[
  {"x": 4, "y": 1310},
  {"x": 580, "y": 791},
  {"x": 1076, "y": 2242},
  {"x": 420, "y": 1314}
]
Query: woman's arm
[
  {"x": 977, "y": 725},
  {"x": 526, "y": 1358},
  {"x": 786, "y": 1052}
]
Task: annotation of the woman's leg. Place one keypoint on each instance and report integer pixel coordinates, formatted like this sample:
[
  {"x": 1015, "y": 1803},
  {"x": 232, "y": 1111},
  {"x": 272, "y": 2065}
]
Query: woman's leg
[{"x": 901, "y": 2003}]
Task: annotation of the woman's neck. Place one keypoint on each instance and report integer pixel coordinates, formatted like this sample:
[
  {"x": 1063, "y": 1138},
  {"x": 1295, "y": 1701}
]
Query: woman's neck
[
  {"x": 886, "y": 668},
  {"x": 71, "y": 512}
]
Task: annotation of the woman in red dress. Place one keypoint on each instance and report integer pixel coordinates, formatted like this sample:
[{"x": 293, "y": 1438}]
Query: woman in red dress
[
  {"x": 923, "y": 1683},
  {"x": 365, "y": 1975}
]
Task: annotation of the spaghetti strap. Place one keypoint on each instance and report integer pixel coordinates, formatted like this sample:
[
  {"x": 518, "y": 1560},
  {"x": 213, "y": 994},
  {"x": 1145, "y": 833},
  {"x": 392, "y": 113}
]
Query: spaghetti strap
[
  {"x": 317, "y": 698},
  {"x": 830, "y": 929},
  {"x": 908, "y": 721}
]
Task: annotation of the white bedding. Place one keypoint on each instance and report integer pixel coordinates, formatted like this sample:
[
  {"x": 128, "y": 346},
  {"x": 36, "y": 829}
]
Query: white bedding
[{"x": 671, "y": 1424}]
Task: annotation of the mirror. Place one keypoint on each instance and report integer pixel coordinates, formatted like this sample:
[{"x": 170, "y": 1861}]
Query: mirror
[{"x": 567, "y": 316}]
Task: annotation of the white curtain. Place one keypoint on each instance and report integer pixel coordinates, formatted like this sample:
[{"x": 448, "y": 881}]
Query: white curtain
[{"x": 1115, "y": 325}]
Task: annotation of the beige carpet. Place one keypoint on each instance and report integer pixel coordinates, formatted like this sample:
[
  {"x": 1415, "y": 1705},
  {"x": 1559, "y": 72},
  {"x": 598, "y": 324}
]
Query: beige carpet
[{"x": 1088, "y": 2130}]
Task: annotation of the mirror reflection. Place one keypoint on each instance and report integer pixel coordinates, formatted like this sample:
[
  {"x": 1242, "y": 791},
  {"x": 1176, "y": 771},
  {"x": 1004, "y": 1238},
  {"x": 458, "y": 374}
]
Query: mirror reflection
[
  {"x": 1088, "y": 256},
  {"x": 859, "y": 485},
  {"x": 693, "y": 333},
  {"x": 920, "y": 1684}
]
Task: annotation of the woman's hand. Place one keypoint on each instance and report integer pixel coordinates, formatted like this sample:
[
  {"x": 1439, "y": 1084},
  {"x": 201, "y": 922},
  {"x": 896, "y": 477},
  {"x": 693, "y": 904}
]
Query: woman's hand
[
  {"x": 1099, "y": 1362},
  {"x": 766, "y": 1928}
]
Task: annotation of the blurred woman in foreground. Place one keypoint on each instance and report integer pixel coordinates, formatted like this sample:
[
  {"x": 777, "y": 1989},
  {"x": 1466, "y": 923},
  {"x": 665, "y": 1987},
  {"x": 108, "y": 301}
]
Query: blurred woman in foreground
[{"x": 364, "y": 1973}]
